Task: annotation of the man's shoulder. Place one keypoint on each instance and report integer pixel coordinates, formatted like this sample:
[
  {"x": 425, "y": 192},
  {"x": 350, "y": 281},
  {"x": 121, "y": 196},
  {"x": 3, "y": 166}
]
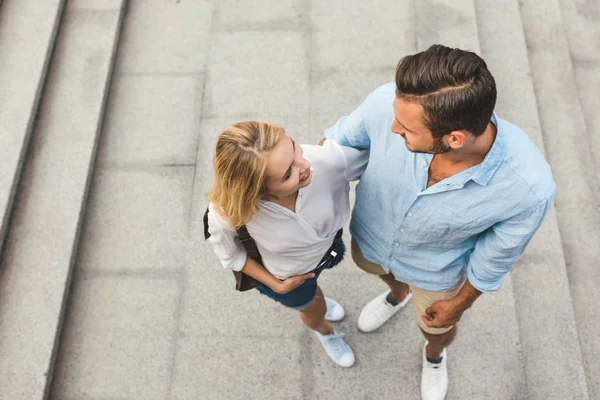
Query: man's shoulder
[
  {"x": 377, "y": 110},
  {"x": 525, "y": 161},
  {"x": 381, "y": 96}
]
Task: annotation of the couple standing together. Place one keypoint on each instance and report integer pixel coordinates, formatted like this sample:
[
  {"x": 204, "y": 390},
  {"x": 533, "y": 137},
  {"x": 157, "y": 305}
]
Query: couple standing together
[{"x": 448, "y": 199}]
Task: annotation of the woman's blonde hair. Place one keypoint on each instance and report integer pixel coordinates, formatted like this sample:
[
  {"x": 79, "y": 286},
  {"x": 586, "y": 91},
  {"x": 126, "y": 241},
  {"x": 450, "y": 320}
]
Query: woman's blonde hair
[{"x": 240, "y": 165}]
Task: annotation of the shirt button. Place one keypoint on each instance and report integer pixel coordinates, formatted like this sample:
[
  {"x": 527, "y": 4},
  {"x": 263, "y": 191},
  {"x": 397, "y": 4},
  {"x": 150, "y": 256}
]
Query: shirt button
[
  {"x": 424, "y": 163},
  {"x": 410, "y": 214},
  {"x": 396, "y": 244},
  {"x": 392, "y": 258},
  {"x": 402, "y": 230}
]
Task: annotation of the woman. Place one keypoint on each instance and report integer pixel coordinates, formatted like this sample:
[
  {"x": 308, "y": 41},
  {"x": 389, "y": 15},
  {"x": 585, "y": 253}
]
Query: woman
[{"x": 264, "y": 180}]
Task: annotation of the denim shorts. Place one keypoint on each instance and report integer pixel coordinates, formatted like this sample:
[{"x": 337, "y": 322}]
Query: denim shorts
[{"x": 304, "y": 294}]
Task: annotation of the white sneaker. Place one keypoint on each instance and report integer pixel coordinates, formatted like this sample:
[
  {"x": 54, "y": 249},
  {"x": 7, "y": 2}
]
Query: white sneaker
[
  {"x": 337, "y": 349},
  {"x": 434, "y": 378},
  {"x": 378, "y": 311},
  {"x": 335, "y": 311}
]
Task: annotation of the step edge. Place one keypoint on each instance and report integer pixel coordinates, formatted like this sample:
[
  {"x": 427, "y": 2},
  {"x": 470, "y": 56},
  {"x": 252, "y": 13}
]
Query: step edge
[
  {"x": 85, "y": 198},
  {"x": 31, "y": 123}
]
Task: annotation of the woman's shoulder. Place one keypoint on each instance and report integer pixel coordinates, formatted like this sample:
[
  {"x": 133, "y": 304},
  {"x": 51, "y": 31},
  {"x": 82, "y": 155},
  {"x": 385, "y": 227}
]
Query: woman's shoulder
[
  {"x": 216, "y": 218},
  {"x": 328, "y": 154}
]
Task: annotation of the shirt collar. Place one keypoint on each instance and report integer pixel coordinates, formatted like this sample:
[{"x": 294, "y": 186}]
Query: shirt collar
[{"x": 493, "y": 158}]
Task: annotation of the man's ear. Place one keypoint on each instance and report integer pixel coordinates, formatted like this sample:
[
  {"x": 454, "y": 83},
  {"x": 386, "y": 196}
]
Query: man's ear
[{"x": 457, "y": 139}]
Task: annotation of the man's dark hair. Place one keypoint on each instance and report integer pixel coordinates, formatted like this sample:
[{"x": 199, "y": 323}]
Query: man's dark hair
[{"x": 454, "y": 87}]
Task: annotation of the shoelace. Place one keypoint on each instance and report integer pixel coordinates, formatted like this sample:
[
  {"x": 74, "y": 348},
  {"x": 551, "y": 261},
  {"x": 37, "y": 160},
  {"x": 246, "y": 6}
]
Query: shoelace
[
  {"x": 383, "y": 311},
  {"x": 436, "y": 375},
  {"x": 337, "y": 344},
  {"x": 330, "y": 306}
]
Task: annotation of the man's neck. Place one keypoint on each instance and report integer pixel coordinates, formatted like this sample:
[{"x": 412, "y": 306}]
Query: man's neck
[{"x": 473, "y": 152}]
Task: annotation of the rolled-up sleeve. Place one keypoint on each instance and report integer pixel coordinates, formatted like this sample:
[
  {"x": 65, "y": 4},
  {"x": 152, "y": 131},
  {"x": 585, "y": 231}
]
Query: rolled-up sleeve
[
  {"x": 355, "y": 129},
  {"x": 499, "y": 248},
  {"x": 225, "y": 242},
  {"x": 352, "y": 130}
]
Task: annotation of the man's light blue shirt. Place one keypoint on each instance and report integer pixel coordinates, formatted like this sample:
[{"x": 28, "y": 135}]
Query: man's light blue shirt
[{"x": 474, "y": 225}]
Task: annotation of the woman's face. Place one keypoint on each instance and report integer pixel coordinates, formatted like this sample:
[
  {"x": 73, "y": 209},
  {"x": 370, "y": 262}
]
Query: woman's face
[{"x": 287, "y": 171}]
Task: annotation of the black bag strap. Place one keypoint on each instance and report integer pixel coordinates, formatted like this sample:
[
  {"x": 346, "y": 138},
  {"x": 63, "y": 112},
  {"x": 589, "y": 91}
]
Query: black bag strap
[
  {"x": 249, "y": 244},
  {"x": 245, "y": 238},
  {"x": 205, "y": 220}
]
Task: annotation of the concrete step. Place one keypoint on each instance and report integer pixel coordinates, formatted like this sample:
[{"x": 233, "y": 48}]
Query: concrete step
[
  {"x": 549, "y": 340},
  {"x": 564, "y": 129},
  {"x": 28, "y": 31},
  {"x": 43, "y": 237},
  {"x": 581, "y": 23}
]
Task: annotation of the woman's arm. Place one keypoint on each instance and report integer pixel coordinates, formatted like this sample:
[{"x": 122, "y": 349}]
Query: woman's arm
[
  {"x": 258, "y": 272},
  {"x": 226, "y": 245}
]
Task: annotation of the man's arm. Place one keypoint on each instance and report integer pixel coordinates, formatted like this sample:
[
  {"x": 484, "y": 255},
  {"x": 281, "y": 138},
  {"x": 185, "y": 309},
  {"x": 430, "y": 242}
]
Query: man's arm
[
  {"x": 353, "y": 130},
  {"x": 495, "y": 254},
  {"x": 350, "y": 130},
  {"x": 448, "y": 312}
]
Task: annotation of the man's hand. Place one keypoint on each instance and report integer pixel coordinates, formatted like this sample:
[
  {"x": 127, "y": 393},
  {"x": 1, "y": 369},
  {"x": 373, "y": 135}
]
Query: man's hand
[
  {"x": 445, "y": 313},
  {"x": 291, "y": 283},
  {"x": 442, "y": 314}
]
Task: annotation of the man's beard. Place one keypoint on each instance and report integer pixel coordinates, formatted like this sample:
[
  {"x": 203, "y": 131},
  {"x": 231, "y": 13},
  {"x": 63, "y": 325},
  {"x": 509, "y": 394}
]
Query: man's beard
[{"x": 438, "y": 147}]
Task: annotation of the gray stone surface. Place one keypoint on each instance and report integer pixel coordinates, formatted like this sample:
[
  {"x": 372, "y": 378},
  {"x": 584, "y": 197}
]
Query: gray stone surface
[
  {"x": 237, "y": 367},
  {"x": 122, "y": 345},
  {"x": 137, "y": 218},
  {"x": 43, "y": 237},
  {"x": 165, "y": 37},
  {"x": 487, "y": 354},
  {"x": 336, "y": 93},
  {"x": 268, "y": 74},
  {"x": 242, "y": 15},
  {"x": 27, "y": 33},
  {"x": 151, "y": 120},
  {"x": 542, "y": 268},
  {"x": 340, "y": 28},
  {"x": 581, "y": 22},
  {"x": 319, "y": 122},
  {"x": 449, "y": 22},
  {"x": 563, "y": 126},
  {"x": 95, "y": 5}
]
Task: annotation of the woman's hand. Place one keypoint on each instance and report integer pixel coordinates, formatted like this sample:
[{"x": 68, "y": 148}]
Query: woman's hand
[
  {"x": 258, "y": 272},
  {"x": 291, "y": 283}
]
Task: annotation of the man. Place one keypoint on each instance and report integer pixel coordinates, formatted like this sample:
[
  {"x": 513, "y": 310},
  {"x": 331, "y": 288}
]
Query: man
[{"x": 450, "y": 199}]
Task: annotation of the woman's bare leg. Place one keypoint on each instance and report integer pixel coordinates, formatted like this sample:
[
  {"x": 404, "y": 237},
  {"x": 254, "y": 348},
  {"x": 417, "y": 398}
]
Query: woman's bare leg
[{"x": 313, "y": 316}]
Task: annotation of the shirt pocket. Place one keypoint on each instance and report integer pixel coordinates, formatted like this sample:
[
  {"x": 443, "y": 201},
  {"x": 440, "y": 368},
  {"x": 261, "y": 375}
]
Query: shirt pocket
[{"x": 444, "y": 227}]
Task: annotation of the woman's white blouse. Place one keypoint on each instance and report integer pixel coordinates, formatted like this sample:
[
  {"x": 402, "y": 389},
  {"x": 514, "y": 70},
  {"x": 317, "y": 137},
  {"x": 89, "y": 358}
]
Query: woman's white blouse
[{"x": 294, "y": 243}]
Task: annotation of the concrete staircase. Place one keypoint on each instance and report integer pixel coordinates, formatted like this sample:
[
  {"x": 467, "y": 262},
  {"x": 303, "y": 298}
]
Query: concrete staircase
[
  {"x": 55, "y": 72},
  {"x": 537, "y": 337}
]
